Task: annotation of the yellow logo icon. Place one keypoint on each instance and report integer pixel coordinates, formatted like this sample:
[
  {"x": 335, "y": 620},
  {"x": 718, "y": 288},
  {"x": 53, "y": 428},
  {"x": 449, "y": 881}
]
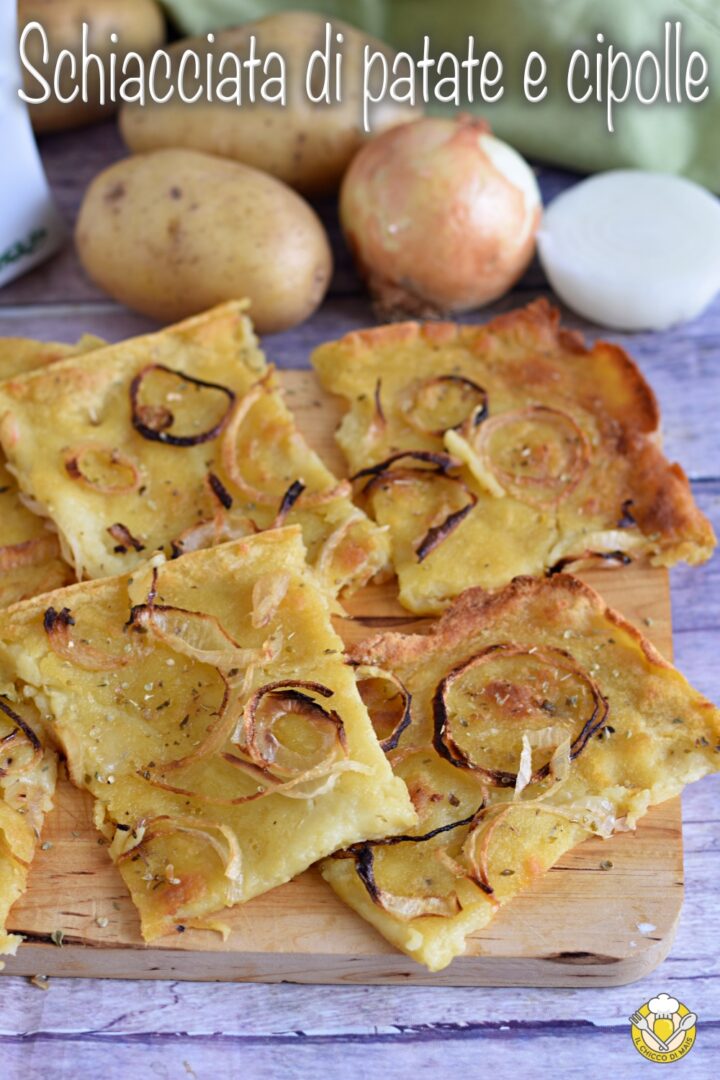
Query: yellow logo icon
[{"x": 663, "y": 1029}]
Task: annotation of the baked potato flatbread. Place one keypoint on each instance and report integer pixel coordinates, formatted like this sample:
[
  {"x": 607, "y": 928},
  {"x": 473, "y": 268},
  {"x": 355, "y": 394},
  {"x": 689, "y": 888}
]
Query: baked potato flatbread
[
  {"x": 30, "y": 560},
  {"x": 206, "y": 706},
  {"x": 537, "y": 717},
  {"x": 506, "y": 449},
  {"x": 175, "y": 441}
]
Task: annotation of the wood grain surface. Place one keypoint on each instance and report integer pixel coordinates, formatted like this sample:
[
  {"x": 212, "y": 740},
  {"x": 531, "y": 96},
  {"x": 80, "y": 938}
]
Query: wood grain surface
[{"x": 170, "y": 1029}]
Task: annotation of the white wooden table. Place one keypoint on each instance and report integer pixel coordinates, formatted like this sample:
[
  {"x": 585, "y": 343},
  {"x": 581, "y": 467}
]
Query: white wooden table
[{"x": 159, "y": 1029}]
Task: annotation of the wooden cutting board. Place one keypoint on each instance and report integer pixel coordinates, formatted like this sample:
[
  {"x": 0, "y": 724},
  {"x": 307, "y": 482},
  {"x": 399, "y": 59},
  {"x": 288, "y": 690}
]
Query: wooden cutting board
[{"x": 582, "y": 925}]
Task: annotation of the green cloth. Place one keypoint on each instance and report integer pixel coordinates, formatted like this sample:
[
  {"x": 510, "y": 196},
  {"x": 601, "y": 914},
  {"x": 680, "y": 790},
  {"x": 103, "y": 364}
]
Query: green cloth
[{"x": 670, "y": 138}]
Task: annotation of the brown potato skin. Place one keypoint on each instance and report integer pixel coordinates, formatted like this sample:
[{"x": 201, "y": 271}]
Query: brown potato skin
[
  {"x": 174, "y": 232},
  {"x": 307, "y": 146},
  {"x": 140, "y": 27}
]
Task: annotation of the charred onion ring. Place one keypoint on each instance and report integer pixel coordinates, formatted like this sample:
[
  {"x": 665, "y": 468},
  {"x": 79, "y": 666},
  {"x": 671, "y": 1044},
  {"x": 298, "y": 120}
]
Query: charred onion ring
[
  {"x": 260, "y": 747},
  {"x": 414, "y": 400},
  {"x": 578, "y": 452},
  {"x": 447, "y": 747},
  {"x": 403, "y": 907},
  {"x": 435, "y": 535},
  {"x": 219, "y": 490},
  {"x": 366, "y": 672},
  {"x": 75, "y": 458},
  {"x": 58, "y": 626},
  {"x": 209, "y": 532},
  {"x": 22, "y": 728},
  {"x": 620, "y": 558},
  {"x": 258, "y": 740},
  {"x": 153, "y": 422},
  {"x": 231, "y": 465},
  {"x": 438, "y": 464},
  {"x": 287, "y": 502}
]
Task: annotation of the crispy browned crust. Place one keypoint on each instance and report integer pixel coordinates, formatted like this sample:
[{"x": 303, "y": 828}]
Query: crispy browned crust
[
  {"x": 538, "y": 327},
  {"x": 477, "y": 609},
  {"x": 664, "y": 502}
]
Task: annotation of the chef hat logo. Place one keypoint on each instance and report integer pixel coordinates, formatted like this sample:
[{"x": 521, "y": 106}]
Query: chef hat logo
[{"x": 663, "y": 1005}]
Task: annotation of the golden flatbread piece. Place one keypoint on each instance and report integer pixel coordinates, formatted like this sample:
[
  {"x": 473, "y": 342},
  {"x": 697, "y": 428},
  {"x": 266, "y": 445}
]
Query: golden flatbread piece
[
  {"x": 538, "y": 717},
  {"x": 506, "y": 449},
  {"x": 28, "y": 771},
  {"x": 206, "y": 705},
  {"x": 175, "y": 441},
  {"x": 30, "y": 560}
]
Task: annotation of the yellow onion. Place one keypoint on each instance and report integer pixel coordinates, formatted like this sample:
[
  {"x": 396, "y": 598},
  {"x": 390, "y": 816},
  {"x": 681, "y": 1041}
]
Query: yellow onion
[{"x": 440, "y": 215}]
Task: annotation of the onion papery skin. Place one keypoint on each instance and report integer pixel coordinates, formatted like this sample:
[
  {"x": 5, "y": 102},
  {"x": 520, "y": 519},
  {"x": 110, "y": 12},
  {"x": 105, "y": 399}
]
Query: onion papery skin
[{"x": 440, "y": 216}]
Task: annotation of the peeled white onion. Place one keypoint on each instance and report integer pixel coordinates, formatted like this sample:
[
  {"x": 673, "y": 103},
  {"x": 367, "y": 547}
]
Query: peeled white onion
[
  {"x": 633, "y": 250},
  {"x": 440, "y": 215}
]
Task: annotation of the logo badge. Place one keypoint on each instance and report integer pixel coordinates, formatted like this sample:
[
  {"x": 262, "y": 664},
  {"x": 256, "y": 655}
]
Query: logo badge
[{"x": 663, "y": 1029}]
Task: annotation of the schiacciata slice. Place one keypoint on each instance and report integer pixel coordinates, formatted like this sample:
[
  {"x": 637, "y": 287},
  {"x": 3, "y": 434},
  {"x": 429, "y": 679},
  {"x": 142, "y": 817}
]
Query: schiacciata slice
[
  {"x": 30, "y": 559},
  {"x": 506, "y": 449},
  {"x": 539, "y": 717},
  {"x": 206, "y": 706},
  {"x": 173, "y": 442}
]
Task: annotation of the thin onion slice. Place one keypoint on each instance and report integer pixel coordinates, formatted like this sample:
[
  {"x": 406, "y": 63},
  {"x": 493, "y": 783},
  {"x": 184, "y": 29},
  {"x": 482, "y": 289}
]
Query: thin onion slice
[
  {"x": 225, "y": 525},
  {"x": 268, "y": 593},
  {"x": 559, "y": 765},
  {"x": 117, "y": 462},
  {"x": 211, "y": 532},
  {"x": 611, "y": 546},
  {"x": 404, "y": 908},
  {"x": 263, "y": 755},
  {"x": 194, "y": 634},
  {"x": 154, "y": 422},
  {"x": 21, "y": 731},
  {"x": 28, "y": 553},
  {"x": 219, "y": 491},
  {"x": 326, "y": 773},
  {"x": 412, "y": 400},
  {"x": 429, "y": 462},
  {"x": 287, "y": 502},
  {"x": 540, "y": 488},
  {"x": 366, "y": 672},
  {"x": 164, "y": 825},
  {"x": 436, "y": 534},
  {"x": 231, "y": 463},
  {"x": 58, "y": 627},
  {"x": 216, "y": 736},
  {"x": 124, "y": 538},
  {"x": 448, "y": 748},
  {"x": 281, "y": 698}
]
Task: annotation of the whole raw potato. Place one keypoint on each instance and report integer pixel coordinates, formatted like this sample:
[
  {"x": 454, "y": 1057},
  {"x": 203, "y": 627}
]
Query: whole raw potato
[
  {"x": 307, "y": 145},
  {"x": 174, "y": 232},
  {"x": 140, "y": 27}
]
